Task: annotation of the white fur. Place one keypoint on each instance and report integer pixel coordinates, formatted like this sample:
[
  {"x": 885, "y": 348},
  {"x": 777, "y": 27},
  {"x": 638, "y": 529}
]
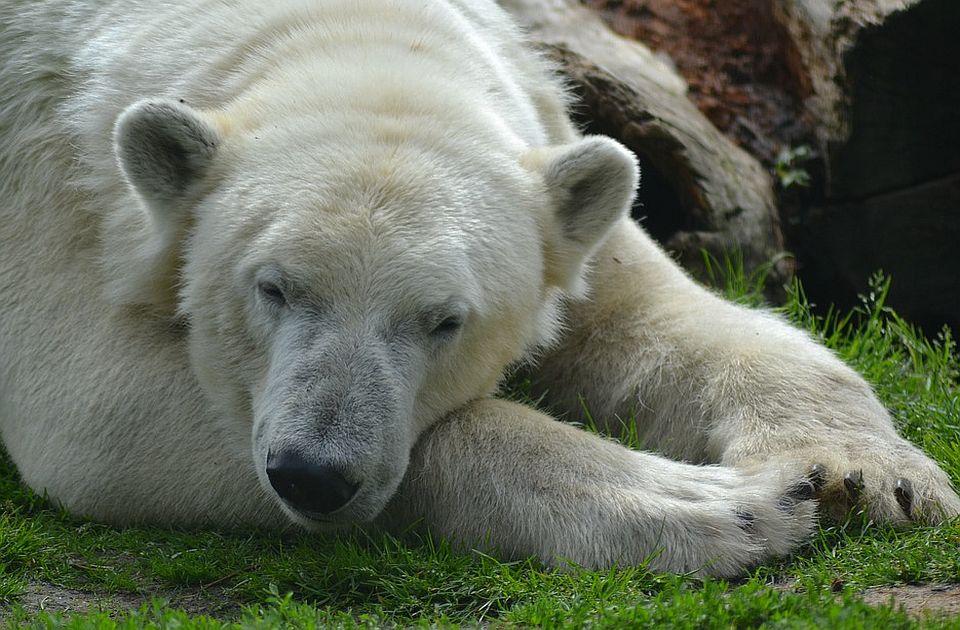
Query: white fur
[{"x": 388, "y": 165}]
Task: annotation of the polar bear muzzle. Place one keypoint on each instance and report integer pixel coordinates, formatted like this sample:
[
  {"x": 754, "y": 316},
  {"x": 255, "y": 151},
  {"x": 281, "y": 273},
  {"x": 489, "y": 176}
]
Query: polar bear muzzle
[{"x": 334, "y": 422}]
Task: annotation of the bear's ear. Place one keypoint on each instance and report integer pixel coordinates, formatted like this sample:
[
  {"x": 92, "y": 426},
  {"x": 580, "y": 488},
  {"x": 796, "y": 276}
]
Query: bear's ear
[
  {"x": 591, "y": 185},
  {"x": 164, "y": 148}
]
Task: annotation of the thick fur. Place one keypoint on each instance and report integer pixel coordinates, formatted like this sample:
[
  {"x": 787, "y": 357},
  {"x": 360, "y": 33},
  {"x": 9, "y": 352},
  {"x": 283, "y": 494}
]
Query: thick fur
[{"x": 232, "y": 228}]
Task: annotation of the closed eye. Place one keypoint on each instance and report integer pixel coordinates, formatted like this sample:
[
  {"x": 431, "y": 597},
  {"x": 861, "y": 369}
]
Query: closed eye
[
  {"x": 271, "y": 293},
  {"x": 448, "y": 326}
]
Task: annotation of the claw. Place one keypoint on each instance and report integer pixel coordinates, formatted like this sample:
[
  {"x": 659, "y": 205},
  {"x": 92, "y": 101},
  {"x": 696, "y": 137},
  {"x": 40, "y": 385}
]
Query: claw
[
  {"x": 746, "y": 520},
  {"x": 787, "y": 503},
  {"x": 817, "y": 477},
  {"x": 904, "y": 494},
  {"x": 853, "y": 484},
  {"x": 804, "y": 490}
]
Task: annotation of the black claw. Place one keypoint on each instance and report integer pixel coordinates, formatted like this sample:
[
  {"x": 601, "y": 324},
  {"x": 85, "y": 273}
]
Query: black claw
[
  {"x": 818, "y": 477},
  {"x": 787, "y": 503},
  {"x": 853, "y": 484},
  {"x": 803, "y": 490},
  {"x": 746, "y": 520},
  {"x": 904, "y": 494}
]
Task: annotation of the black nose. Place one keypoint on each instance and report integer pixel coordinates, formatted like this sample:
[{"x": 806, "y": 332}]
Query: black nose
[{"x": 307, "y": 486}]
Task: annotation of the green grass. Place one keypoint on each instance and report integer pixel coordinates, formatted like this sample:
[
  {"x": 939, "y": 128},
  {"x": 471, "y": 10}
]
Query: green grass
[{"x": 256, "y": 579}]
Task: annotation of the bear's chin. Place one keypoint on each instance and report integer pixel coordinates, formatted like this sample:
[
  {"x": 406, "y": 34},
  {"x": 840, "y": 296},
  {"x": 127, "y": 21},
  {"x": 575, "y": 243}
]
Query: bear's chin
[
  {"x": 343, "y": 517},
  {"x": 362, "y": 508}
]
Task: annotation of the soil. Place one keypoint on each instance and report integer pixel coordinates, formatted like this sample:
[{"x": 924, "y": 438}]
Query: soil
[
  {"x": 44, "y": 596},
  {"x": 938, "y": 600},
  {"x": 736, "y": 59},
  {"x": 918, "y": 600}
]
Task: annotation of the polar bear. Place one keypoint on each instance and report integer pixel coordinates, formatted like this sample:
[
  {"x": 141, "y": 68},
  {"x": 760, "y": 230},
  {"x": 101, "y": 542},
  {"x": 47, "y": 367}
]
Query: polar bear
[{"x": 269, "y": 262}]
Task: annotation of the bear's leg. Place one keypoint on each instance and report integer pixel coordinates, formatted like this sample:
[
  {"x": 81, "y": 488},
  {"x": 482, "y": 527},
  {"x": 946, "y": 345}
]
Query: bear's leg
[
  {"x": 709, "y": 381},
  {"x": 504, "y": 477}
]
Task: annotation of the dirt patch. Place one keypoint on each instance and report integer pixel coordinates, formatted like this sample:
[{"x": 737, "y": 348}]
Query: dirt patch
[
  {"x": 918, "y": 600},
  {"x": 742, "y": 71},
  {"x": 44, "y": 596}
]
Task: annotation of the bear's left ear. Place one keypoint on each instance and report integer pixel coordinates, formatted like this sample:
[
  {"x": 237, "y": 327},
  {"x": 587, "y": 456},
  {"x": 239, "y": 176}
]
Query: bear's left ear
[
  {"x": 164, "y": 147},
  {"x": 591, "y": 185}
]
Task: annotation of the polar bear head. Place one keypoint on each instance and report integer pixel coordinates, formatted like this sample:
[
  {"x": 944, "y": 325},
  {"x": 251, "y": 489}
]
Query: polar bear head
[{"x": 346, "y": 285}]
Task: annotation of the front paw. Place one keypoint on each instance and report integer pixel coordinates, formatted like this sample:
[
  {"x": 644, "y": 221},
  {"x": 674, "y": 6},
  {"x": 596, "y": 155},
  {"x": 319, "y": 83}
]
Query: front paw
[
  {"x": 891, "y": 483},
  {"x": 729, "y": 520}
]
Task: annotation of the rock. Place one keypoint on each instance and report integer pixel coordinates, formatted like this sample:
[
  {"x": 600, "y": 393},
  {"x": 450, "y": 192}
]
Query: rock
[
  {"x": 886, "y": 94},
  {"x": 886, "y": 103},
  {"x": 912, "y": 235}
]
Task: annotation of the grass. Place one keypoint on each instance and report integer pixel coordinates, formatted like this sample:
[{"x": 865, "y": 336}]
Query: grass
[{"x": 158, "y": 578}]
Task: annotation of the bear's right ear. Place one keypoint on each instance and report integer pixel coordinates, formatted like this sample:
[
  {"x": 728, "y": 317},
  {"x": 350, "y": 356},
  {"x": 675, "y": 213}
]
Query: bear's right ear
[{"x": 164, "y": 148}]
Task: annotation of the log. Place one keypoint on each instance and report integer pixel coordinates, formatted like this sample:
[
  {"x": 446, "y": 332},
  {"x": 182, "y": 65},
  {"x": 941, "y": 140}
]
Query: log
[
  {"x": 699, "y": 190},
  {"x": 886, "y": 102}
]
